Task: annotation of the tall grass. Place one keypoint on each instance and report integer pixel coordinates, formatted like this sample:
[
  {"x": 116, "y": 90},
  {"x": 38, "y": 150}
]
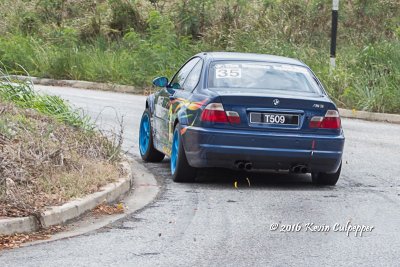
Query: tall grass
[
  {"x": 140, "y": 39},
  {"x": 23, "y": 95}
]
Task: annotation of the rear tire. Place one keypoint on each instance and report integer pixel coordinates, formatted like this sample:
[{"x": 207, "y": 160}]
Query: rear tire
[
  {"x": 181, "y": 171},
  {"x": 146, "y": 145},
  {"x": 321, "y": 178}
]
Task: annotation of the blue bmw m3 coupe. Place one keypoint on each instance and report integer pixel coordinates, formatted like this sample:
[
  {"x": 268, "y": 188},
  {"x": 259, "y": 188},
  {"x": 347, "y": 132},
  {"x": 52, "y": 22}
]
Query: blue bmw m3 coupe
[{"x": 245, "y": 112}]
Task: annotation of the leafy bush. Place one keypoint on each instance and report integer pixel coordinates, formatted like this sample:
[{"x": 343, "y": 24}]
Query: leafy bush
[{"x": 124, "y": 17}]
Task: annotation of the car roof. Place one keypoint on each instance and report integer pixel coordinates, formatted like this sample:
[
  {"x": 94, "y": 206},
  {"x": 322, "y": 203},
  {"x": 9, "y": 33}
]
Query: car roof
[{"x": 214, "y": 56}]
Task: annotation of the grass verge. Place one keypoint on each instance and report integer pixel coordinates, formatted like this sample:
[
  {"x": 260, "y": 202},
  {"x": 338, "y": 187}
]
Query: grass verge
[{"x": 49, "y": 152}]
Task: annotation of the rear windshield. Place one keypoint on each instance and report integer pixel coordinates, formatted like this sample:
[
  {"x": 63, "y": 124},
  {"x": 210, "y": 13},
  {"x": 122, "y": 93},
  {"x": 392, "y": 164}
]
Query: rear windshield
[{"x": 261, "y": 75}]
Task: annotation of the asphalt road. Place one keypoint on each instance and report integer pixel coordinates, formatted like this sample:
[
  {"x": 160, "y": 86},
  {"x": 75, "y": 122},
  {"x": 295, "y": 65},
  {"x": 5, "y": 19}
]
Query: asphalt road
[{"x": 211, "y": 223}]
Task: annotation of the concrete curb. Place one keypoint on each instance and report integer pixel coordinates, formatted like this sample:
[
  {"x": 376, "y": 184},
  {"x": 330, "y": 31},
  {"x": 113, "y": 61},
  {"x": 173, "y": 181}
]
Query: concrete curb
[
  {"x": 70, "y": 210},
  {"x": 145, "y": 189},
  {"x": 369, "y": 116},
  {"x": 11, "y": 226},
  {"x": 81, "y": 84}
]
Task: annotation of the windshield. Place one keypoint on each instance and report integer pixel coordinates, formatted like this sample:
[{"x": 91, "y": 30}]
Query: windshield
[{"x": 262, "y": 76}]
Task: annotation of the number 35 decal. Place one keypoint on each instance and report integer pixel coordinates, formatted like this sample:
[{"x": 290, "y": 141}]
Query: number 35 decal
[{"x": 228, "y": 73}]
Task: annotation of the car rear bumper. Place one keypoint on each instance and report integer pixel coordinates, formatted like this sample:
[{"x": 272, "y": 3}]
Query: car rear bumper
[{"x": 265, "y": 150}]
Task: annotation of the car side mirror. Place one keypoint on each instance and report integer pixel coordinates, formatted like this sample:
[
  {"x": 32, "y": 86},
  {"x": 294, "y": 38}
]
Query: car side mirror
[{"x": 160, "y": 81}]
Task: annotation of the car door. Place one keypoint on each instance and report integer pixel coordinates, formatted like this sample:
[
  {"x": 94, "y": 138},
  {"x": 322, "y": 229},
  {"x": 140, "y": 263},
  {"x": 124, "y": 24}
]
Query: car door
[
  {"x": 162, "y": 107},
  {"x": 183, "y": 98}
]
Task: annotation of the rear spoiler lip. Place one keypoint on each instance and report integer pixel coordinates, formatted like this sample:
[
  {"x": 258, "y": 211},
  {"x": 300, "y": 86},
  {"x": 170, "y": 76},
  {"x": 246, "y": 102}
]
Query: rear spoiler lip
[
  {"x": 306, "y": 96},
  {"x": 288, "y": 111}
]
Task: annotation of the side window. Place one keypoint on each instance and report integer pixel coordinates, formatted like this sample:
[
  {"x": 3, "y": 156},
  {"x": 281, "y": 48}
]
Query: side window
[
  {"x": 180, "y": 77},
  {"x": 193, "y": 78}
]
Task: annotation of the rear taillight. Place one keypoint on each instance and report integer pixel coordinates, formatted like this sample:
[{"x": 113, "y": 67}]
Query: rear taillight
[
  {"x": 215, "y": 112},
  {"x": 331, "y": 120},
  {"x": 233, "y": 117}
]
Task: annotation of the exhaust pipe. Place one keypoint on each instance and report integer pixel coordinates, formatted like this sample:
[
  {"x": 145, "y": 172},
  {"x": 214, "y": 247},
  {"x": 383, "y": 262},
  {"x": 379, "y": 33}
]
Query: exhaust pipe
[
  {"x": 296, "y": 169},
  {"x": 243, "y": 165},
  {"x": 304, "y": 170},
  {"x": 248, "y": 166},
  {"x": 299, "y": 169},
  {"x": 240, "y": 165}
]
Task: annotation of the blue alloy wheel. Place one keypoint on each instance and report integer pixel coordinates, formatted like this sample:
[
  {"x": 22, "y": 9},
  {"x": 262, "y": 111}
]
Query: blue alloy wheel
[
  {"x": 175, "y": 151},
  {"x": 181, "y": 170},
  {"x": 146, "y": 146},
  {"x": 144, "y": 136}
]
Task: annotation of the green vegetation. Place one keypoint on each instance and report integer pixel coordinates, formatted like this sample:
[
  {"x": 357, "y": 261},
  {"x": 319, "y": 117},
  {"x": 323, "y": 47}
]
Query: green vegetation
[
  {"x": 132, "y": 41},
  {"x": 23, "y": 95}
]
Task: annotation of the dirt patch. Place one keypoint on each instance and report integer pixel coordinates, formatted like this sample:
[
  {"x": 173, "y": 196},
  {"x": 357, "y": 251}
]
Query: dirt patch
[{"x": 16, "y": 240}]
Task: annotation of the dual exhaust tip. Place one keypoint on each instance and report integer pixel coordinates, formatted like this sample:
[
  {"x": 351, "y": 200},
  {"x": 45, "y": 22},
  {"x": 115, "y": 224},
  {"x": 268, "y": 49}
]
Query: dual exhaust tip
[
  {"x": 247, "y": 166},
  {"x": 244, "y": 165},
  {"x": 299, "y": 169}
]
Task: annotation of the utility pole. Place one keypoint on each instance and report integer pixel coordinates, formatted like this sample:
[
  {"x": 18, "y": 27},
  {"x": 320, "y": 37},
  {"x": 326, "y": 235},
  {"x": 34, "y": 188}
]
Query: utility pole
[{"x": 335, "y": 14}]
